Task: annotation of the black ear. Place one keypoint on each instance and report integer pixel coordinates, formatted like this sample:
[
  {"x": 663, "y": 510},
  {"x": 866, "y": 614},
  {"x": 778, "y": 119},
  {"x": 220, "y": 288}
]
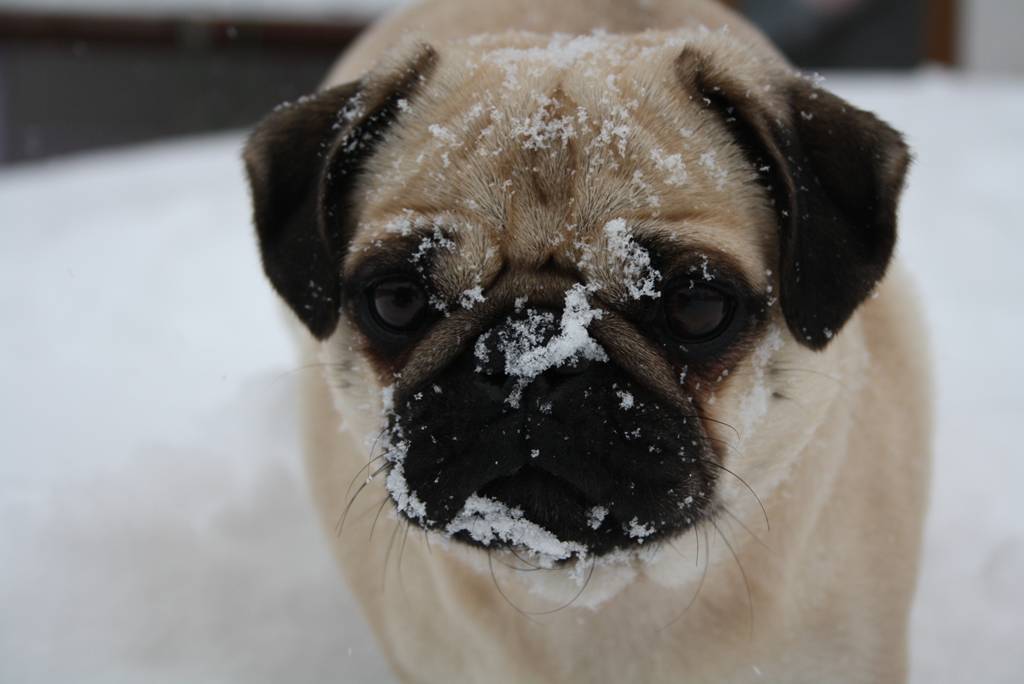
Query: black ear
[
  {"x": 284, "y": 158},
  {"x": 835, "y": 173},
  {"x": 846, "y": 170},
  {"x": 303, "y": 161}
]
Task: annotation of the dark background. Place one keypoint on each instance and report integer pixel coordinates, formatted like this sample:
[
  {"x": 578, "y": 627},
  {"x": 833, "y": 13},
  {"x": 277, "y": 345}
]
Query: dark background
[{"x": 73, "y": 82}]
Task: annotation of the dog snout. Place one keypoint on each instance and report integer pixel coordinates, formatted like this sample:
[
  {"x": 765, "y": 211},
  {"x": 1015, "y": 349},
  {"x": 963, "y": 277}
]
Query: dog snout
[{"x": 524, "y": 351}]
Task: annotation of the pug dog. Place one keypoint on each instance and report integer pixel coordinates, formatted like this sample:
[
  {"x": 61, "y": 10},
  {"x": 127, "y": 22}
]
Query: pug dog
[{"x": 619, "y": 381}]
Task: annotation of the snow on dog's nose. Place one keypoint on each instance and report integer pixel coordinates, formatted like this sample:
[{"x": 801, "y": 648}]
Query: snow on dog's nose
[{"x": 535, "y": 346}]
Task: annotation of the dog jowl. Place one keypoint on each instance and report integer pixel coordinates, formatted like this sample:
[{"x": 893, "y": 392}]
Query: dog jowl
[{"x": 552, "y": 279}]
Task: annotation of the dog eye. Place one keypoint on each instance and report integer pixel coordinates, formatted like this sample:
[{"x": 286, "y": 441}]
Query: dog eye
[
  {"x": 698, "y": 313},
  {"x": 397, "y": 304}
]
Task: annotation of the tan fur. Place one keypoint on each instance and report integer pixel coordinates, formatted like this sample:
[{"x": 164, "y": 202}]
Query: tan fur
[{"x": 839, "y": 458}]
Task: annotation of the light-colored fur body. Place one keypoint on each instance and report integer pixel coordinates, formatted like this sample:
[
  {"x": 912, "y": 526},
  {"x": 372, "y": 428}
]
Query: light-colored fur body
[{"x": 834, "y": 443}]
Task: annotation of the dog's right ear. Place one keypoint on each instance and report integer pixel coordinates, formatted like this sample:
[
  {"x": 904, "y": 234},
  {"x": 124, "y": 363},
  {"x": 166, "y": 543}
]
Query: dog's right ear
[
  {"x": 834, "y": 174},
  {"x": 303, "y": 161}
]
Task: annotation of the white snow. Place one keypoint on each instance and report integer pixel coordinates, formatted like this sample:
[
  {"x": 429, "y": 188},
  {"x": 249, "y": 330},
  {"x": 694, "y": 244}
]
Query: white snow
[
  {"x": 626, "y": 399},
  {"x": 544, "y": 129},
  {"x": 672, "y": 165},
  {"x": 405, "y": 223},
  {"x": 405, "y": 500},
  {"x": 471, "y": 297},
  {"x": 641, "y": 278},
  {"x": 638, "y": 530},
  {"x": 394, "y": 446},
  {"x": 754, "y": 404},
  {"x": 154, "y": 520},
  {"x": 435, "y": 240},
  {"x": 709, "y": 162},
  {"x": 527, "y": 354},
  {"x": 487, "y": 521},
  {"x": 562, "y": 51}
]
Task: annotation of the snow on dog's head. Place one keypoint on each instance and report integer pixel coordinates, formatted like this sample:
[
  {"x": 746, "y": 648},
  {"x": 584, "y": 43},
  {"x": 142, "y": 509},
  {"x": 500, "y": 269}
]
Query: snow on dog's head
[{"x": 573, "y": 262}]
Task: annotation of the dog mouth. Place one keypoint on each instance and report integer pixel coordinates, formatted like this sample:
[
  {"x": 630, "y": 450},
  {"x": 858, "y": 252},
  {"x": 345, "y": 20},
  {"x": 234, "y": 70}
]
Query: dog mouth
[
  {"x": 583, "y": 521},
  {"x": 538, "y": 491},
  {"x": 545, "y": 499},
  {"x": 596, "y": 494}
]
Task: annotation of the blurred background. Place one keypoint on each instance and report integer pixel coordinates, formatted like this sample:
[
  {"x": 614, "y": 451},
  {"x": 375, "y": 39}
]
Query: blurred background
[
  {"x": 155, "y": 522},
  {"x": 83, "y": 74}
]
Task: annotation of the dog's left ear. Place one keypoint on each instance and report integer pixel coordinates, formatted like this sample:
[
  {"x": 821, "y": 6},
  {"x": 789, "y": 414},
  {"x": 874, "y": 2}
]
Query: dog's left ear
[
  {"x": 835, "y": 174},
  {"x": 303, "y": 161}
]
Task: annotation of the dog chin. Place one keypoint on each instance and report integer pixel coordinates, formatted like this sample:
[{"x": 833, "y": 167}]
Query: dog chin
[{"x": 539, "y": 586}]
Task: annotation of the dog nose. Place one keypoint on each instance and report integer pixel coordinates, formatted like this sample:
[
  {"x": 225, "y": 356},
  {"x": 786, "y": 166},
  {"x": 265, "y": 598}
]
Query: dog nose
[
  {"x": 499, "y": 353},
  {"x": 497, "y": 349},
  {"x": 546, "y": 386}
]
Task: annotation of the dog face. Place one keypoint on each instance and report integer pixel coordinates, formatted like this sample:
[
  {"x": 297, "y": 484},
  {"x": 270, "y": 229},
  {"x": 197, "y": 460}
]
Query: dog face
[{"x": 552, "y": 277}]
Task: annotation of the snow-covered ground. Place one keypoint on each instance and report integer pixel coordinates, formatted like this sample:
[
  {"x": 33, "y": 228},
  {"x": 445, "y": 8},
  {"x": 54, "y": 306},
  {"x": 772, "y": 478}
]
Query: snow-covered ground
[{"x": 153, "y": 518}]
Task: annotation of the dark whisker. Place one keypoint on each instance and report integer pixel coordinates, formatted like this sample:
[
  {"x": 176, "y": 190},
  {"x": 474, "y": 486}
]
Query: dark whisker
[
  {"x": 341, "y": 520},
  {"x": 745, "y": 528},
  {"x": 727, "y": 445},
  {"x": 378, "y": 471},
  {"x": 750, "y": 489},
  {"x": 308, "y": 366},
  {"x": 838, "y": 381},
  {"x": 517, "y": 568},
  {"x": 743, "y": 574},
  {"x": 719, "y": 422},
  {"x": 579, "y": 593},
  {"x": 401, "y": 554},
  {"x": 524, "y": 561},
  {"x": 365, "y": 468},
  {"x": 494, "y": 578},
  {"x": 696, "y": 539},
  {"x": 344, "y": 515},
  {"x": 380, "y": 509},
  {"x": 700, "y": 583},
  {"x": 387, "y": 555}
]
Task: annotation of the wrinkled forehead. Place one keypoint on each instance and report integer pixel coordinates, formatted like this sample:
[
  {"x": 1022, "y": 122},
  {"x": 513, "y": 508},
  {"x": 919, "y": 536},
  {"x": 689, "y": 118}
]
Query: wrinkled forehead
[{"x": 525, "y": 153}]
